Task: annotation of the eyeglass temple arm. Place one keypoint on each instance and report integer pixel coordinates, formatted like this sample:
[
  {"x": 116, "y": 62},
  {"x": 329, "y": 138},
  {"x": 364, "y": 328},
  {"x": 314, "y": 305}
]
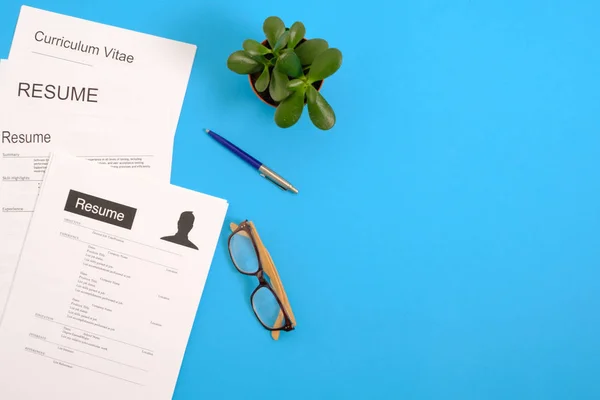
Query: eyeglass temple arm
[
  {"x": 278, "y": 285},
  {"x": 271, "y": 271}
]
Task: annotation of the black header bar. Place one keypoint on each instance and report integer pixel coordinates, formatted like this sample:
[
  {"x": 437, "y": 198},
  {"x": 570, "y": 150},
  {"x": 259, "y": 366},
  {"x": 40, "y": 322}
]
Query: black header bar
[{"x": 100, "y": 209}]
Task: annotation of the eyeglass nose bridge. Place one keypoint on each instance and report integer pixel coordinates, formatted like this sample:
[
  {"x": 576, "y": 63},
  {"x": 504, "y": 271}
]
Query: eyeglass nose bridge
[{"x": 260, "y": 274}]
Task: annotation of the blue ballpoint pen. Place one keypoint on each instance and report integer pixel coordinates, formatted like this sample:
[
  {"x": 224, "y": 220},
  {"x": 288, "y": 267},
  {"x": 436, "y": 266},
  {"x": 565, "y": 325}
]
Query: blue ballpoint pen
[{"x": 264, "y": 171}]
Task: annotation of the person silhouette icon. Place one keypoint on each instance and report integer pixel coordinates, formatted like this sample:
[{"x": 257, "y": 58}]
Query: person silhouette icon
[{"x": 184, "y": 227}]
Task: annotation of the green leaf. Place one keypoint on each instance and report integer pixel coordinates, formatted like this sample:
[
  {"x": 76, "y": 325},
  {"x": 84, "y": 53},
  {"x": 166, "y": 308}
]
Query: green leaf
[
  {"x": 326, "y": 64},
  {"x": 289, "y": 63},
  {"x": 263, "y": 80},
  {"x": 254, "y": 48},
  {"x": 243, "y": 63},
  {"x": 297, "y": 32},
  {"x": 281, "y": 42},
  {"x": 290, "y": 110},
  {"x": 320, "y": 112},
  {"x": 273, "y": 27},
  {"x": 308, "y": 50},
  {"x": 296, "y": 84},
  {"x": 278, "y": 88}
]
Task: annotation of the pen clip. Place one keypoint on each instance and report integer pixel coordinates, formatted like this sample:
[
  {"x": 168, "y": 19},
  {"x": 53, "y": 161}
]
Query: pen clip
[{"x": 269, "y": 178}]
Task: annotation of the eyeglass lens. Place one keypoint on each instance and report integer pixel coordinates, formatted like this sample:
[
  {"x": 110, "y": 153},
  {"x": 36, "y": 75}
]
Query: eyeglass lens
[
  {"x": 267, "y": 308},
  {"x": 243, "y": 253}
]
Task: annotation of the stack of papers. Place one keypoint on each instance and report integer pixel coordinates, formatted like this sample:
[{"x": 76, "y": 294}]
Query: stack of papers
[{"x": 102, "y": 261}]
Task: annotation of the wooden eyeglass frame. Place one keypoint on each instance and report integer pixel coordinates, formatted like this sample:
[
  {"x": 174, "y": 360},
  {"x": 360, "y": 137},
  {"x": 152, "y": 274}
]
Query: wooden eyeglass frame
[{"x": 265, "y": 266}]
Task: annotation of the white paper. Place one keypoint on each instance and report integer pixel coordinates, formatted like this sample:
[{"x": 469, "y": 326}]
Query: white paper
[
  {"x": 28, "y": 89},
  {"x": 163, "y": 65},
  {"x": 99, "y": 311},
  {"x": 121, "y": 127},
  {"x": 158, "y": 68},
  {"x": 129, "y": 122},
  {"x": 2, "y": 68}
]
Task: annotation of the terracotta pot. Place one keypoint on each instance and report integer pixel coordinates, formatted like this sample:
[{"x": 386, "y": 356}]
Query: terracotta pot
[{"x": 265, "y": 97}]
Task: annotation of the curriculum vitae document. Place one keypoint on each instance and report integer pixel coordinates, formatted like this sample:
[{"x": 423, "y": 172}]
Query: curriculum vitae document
[
  {"x": 107, "y": 287},
  {"x": 56, "y": 40},
  {"x": 27, "y": 88},
  {"x": 89, "y": 114}
]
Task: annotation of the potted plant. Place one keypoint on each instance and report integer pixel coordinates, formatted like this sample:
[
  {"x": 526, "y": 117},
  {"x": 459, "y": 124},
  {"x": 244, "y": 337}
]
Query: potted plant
[{"x": 287, "y": 71}]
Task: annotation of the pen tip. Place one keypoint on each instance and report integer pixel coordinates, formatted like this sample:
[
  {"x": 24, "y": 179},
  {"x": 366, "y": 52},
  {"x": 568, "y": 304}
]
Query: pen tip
[{"x": 206, "y": 130}]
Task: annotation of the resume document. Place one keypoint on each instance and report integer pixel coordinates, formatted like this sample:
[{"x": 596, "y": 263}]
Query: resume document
[
  {"x": 118, "y": 109},
  {"x": 107, "y": 286}
]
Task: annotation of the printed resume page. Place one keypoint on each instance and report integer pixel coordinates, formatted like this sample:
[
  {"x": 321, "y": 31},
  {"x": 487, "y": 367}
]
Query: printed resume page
[
  {"x": 107, "y": 287},
  {"x": 103, "y": 93},
  {"x": 92, "y": 116},
  {"x": 160, "y": 65},
  {"x": 70, "y": 90}
]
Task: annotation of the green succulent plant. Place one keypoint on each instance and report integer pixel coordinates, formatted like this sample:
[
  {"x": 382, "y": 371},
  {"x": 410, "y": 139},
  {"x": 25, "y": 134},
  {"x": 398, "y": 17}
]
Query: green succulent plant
[{"x": 287, "y": 71}]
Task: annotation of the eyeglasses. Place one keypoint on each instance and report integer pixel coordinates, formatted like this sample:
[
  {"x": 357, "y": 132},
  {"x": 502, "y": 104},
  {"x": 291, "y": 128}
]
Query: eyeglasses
[{"x": 269, "y": 301}]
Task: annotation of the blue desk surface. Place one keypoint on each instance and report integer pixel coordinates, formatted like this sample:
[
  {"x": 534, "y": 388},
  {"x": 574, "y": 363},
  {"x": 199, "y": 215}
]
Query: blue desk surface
[{"x": 444, "y": 244}]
